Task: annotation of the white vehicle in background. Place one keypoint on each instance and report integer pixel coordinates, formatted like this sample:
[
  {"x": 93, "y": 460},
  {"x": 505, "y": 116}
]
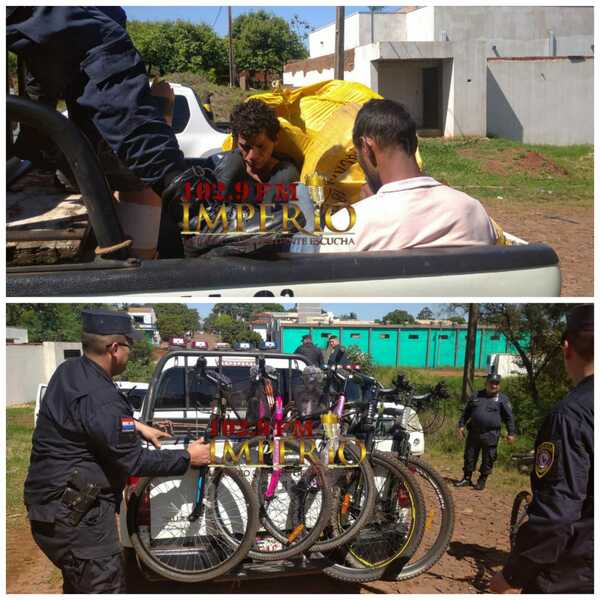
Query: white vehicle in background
[
  {"x": 38, "y": 400},
  {"x": 134, "y": 390},
  {"x": 505, "y": 364},
  {"x": 197, "y": 135}
]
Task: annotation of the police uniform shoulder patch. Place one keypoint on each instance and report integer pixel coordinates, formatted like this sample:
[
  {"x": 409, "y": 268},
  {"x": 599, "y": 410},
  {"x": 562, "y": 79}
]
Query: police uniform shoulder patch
[
  {"x": 127, "y": 425},
  {"x": 544, "y": 458},
  {"x": 126, "y": 430}
]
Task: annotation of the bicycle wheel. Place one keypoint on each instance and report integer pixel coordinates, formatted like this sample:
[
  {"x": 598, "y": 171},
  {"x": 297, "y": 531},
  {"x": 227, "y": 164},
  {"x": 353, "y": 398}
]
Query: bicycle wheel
[
  {"x": 293, "y": 516},
  {"x": 181, "y": 542},
  {"x": 439, "y": 522},
  {"x": 354, "y": 496},
  {"x": 393, "y": 533},
  {"x": 518, "y": 515}
]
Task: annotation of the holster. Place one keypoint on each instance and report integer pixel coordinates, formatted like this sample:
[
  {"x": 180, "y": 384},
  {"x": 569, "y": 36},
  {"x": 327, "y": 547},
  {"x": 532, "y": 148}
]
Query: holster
[{"x": 79, "y": 496}]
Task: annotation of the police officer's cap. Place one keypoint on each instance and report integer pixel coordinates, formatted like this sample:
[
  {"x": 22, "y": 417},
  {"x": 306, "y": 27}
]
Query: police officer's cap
[
  {"x": 580, "y": 318},
  {"x": 108, "y": 322},
  {"x": 494, "y": 378}
]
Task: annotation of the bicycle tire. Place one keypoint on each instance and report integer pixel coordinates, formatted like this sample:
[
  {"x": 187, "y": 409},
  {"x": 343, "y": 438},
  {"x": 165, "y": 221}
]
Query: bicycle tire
[
  {"x": 336, "y": 535},
  {"x": 444, "y": 536},
  {"x": 357, "y": 569},
  {"x": 216, "y": 477},
  {"x": 518, "y": 515},
  {"x": 306, "y": 542}
]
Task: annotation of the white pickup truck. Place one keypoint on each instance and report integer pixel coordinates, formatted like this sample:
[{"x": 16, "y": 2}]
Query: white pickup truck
[{"x": 186, "y": 401}]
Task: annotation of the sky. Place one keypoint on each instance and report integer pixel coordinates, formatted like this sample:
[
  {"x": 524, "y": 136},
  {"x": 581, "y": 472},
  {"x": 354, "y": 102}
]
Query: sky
[
  {"x": 368, "y": 311},
  {"x": 216, "y": 16}
]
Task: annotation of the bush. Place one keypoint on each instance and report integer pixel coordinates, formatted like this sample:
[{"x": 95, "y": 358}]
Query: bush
[
  {"x": 356, "y": 357},
  {"x": 444, "y": 438},
  {"x": 140, "y": 366}
]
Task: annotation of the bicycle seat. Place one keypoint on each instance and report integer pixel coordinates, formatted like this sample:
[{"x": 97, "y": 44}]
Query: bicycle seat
[
  {"x": 217, "y": 378},
  {"x": 271, "y": 372}
]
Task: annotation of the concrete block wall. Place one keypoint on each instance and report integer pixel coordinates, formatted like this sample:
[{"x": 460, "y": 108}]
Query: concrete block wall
[
  {"x": 28, "y": 365},
  {"x": 541, "y": 101}
]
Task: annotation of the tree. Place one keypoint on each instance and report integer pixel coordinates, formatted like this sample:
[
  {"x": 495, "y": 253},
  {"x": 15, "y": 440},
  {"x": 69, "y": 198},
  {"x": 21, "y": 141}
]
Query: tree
[
  {"x": 349, "y": 317},
  {"x": 175, "y": 319},
  {"x": 457, "y": 319},
  {"x": 180, "y": 46},
  {"x": 397, "y": 317},
  {"x": 425, "y": 314},
  {"x": 264, "y": 42},
  {"x": 356, "y": 356},
  {"x": 50, "y": 322},
  {"x": 301, "y": 27},
  {"x": 241, "y": 311},
  {"x": 140, "y": 366},
  {"x": 232, "y": 330},
  {"x": 534, "y": 331}
]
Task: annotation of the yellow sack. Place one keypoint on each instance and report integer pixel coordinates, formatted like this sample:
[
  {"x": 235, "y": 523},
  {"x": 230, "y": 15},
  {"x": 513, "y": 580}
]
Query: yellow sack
[{"x": 316, "y": 132}]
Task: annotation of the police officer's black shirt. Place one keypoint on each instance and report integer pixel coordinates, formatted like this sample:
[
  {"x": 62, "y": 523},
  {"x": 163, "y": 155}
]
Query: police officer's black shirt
[
  {"x": 313, "y": 354},
  {"x": 84, "y": 55},
  {"x": 554, "y": 549},
  {"x": 85, "y": 423},
  {"x": 483, "y": 416}
]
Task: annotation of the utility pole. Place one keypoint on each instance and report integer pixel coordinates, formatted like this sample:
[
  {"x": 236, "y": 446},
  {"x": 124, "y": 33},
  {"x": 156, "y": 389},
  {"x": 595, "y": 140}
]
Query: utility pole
[
  {"x": 338, "y": 72},
  {"x": 231, "y": 58},
  {"x": 469, "y": 370}
]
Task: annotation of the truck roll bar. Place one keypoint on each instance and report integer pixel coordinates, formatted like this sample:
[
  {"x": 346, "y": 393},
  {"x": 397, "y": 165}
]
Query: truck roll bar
[{"x": 78, "y": 151}]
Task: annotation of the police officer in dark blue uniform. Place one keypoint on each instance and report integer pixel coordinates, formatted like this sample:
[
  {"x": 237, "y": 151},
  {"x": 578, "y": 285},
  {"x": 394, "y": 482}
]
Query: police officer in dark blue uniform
[
  {"x": 84, "y": 55},
  {"x": 85, "y": 445},
  {"x": 307, "y": 349},
  {"x": 554, "y": 549},
  {"x": 483, "y": 416}
]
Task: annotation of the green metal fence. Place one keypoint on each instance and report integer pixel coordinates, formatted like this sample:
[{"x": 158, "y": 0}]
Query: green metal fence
[{"x": 411, "y": 346}]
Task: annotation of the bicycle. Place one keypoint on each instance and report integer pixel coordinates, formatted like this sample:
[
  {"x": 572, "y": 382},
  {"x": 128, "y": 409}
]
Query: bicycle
[
  {"x": 440, "y": 513},
  {"x": 395, "y": 529},
  {"x": 440, "y": 517},
  {"x": 521, "y": 502},
  {"x": 295, "y": 501},
  {"x": 195, "y": 527},
  {"x": 349, "y": 491}
]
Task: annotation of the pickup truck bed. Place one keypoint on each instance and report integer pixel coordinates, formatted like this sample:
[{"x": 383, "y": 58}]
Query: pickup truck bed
[{"x": 528, "y": 270}]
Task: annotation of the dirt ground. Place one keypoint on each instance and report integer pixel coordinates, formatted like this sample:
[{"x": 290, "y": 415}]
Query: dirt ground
[
  {"x": 479, "y": 547},
  {"x": 569, "y": 230}
]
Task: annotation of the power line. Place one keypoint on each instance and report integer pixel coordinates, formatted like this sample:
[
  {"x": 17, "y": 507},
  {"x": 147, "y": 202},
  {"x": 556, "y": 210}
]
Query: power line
[{"x": 217, "y": 17}]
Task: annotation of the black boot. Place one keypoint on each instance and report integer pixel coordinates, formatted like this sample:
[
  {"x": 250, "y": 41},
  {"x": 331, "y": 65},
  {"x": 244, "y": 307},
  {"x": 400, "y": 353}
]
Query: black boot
[
  {"x": 465, "y": 481},
  {"x": 480, "y": 485}
]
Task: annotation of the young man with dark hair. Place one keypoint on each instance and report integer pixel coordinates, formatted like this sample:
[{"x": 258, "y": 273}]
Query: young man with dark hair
[
  {"x": 255, "y": 130},
  {"x": 554, "y": 549},
  {"x": 404, "y": 209}
]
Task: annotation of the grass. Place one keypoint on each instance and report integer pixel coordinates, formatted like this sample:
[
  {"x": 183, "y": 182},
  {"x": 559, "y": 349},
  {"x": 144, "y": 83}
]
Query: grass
[
  {"x": 444, "y": 447},
  {"x": 19, "y": 428},
  {"x": 489, "y": 168},
  {"x": 224, "y": 97}
]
